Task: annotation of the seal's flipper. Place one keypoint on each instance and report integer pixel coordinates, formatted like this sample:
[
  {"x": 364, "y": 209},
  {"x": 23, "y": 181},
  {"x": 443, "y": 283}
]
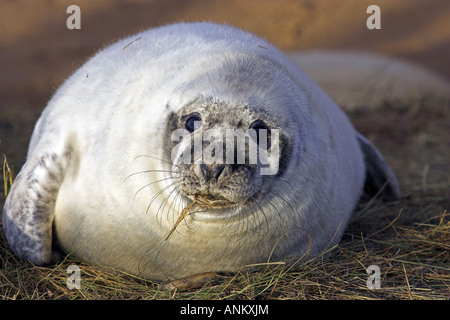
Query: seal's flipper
[
  {"x": 29, "y": 209},
  {"x": 380, "y": 180}
]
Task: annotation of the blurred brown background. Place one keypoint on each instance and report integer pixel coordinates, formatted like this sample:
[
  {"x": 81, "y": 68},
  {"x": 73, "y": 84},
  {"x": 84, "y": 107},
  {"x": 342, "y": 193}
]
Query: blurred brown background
[{"x": 37, "y": 51}]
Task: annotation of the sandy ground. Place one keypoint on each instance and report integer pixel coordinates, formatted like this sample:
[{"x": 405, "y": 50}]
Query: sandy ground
[{"x": 38, "y": 51}]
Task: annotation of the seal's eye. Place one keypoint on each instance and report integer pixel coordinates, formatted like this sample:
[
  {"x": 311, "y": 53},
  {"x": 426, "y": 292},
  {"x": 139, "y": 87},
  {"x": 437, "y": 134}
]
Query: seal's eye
[
  {"x": 262, "y": 131},
  {"x": 193, "y": 122}
]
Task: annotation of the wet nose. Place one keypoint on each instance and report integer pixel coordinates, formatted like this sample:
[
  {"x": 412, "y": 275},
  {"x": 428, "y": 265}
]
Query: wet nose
[
  {"x": 208, "y": 172},
  {"x": 217, "y": 170}
]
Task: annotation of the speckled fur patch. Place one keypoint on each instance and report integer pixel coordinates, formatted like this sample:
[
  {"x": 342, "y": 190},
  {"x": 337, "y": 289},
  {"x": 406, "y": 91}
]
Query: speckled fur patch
[{"x": 28, "y": 213}]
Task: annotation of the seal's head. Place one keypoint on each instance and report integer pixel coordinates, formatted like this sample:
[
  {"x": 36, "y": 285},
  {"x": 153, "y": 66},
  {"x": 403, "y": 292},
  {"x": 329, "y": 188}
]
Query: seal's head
[
  {"x": 223, "y": 147},
  {"x": 216, "y": 161}
]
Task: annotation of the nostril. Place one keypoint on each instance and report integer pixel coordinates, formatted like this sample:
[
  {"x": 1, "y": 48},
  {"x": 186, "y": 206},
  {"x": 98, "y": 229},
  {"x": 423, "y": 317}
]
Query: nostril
[
  {"x": 204, "y": 170},
  {"x": 218, "y": 170},
  {"x": 207, "y": 172}
]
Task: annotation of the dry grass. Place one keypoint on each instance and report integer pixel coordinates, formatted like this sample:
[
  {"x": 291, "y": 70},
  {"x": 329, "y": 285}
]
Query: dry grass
[
  {"x": 413, "y": 256},
  {"x": 409, "y": 240}
]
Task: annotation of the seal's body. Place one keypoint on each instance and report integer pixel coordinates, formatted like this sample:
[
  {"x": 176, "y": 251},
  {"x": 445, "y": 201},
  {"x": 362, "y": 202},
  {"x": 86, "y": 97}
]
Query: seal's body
[{"x": 103, "y": 178}]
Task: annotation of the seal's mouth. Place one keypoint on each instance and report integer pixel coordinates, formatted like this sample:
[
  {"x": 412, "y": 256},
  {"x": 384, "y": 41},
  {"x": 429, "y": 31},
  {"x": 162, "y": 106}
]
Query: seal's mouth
[
  {"x": 198, "y": 204},
  {"x": 216, "y": 202},
  {"x": 201, "y": 202}
]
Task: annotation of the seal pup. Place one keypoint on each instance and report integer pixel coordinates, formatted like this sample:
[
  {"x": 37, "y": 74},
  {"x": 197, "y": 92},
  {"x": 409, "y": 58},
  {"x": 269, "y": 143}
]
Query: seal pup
[
  {"x": 360, "y": 79},
  {"x": 106, "y": 179}
]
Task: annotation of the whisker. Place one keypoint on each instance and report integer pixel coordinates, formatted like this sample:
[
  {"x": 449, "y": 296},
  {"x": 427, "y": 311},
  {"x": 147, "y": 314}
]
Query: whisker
[
  {"x": 264, "y": 213},
  {"x": 158, "y": 194},
  {"x": 156, "y": 181},
  {"x": 279, "y": 179},
  {"x": 171, "y": 208},
  {"x": 149, "y": 171},
  {"x": 270, "y": 201},
  {"x": 182, "y": 216},
  {"x": 280, "y": 197},
  {"x": 244, "y": 219},
  {"x": 164, "y": 202},
  {"x": 163, "y": 160},
  {"x": 180, "y": 205},
  {"x": 261, "y": 231}
]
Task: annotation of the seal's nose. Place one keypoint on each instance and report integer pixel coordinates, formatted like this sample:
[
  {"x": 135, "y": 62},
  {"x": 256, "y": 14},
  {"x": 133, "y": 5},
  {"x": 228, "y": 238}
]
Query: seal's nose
[
  {"x": 217, "y": 170},
  {"x": 208, "y": 172}
]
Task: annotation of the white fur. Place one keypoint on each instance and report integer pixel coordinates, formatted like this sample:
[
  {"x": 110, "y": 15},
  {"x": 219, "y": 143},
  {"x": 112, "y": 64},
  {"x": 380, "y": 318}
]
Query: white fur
[{"x": 108, "y": 122}]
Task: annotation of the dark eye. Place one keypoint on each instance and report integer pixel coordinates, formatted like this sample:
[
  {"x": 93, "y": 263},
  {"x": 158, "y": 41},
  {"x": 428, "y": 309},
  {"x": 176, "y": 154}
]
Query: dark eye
[
  {"x": 258, "y": 126},
  {"x": 192, "y": 122}
]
